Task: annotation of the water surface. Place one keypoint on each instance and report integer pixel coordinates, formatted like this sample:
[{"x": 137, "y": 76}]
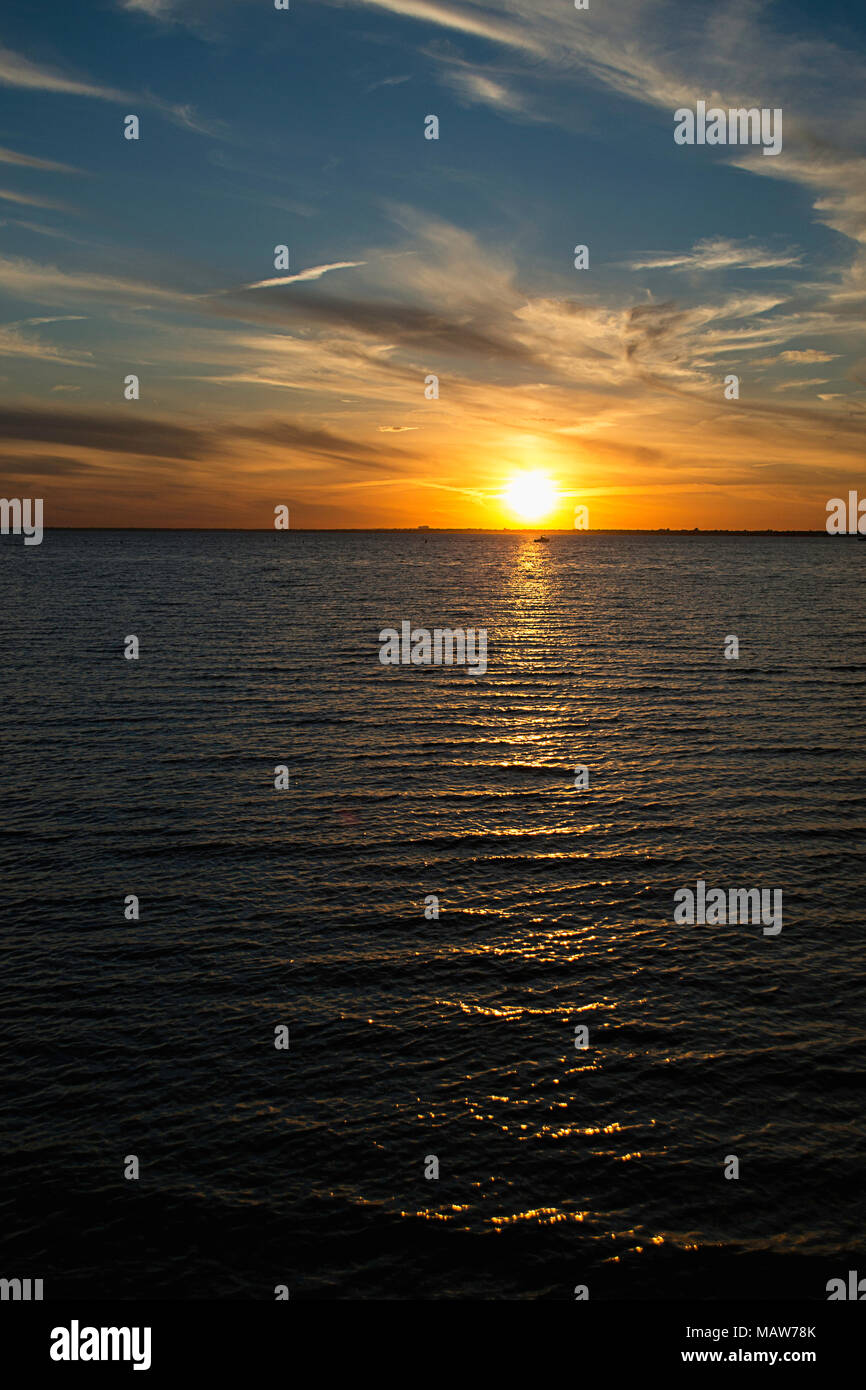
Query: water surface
[{"x": 412, "y": 1037}]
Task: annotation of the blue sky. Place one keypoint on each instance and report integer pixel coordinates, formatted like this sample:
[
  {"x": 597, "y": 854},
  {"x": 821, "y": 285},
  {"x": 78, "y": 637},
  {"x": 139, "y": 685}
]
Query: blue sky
[{"x": 455, "y": 257}]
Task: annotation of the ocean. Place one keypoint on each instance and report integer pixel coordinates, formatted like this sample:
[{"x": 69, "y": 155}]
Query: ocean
[{"x": 415, "y": 1037}]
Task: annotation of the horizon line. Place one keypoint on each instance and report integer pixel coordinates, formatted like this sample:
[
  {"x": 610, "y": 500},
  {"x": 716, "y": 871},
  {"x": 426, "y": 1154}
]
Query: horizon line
[{"x": 476, "y": 530}]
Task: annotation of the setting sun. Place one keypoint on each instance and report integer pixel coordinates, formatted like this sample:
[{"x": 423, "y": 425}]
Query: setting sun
[{"x": 530, "y": 495}]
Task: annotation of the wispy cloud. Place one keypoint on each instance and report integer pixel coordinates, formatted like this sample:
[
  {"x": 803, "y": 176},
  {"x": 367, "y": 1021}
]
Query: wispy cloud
[
  {"x": 185, "y": 115},
  {"x": 800, "y": 385},
  {"x": 32, "y": 200},
  {"x": 57, "y": 232},
  {"x": 16, "y": 71},
  {"x": 18, "y": 344},
  {"x": 108, "y": 431},
  {"x": 798, "y": 355},
  {"x": 50, "y": 284},
  {"x": 154, "y": 9},
  {"x": 720, "y": 253},
  {"x": 388, "y": 82},
  {"x": 473, "y": 20},
  {"x": 314, "y": 272},
  {"x": 29, "y": 161},
  {"x": 475, "y": 88},
  {"x": 43, "y": 466},
  {"x": 292, "y": 434}
]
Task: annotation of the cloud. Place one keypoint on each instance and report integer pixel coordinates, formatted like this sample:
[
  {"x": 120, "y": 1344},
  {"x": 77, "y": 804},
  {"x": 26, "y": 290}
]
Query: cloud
[
  {"x": 313, "y": 273},
  {"x": 472, "y": 20},
  {"x": 125, "y": 434},
  {"x": 473, "y": 88},
  {"x": 30, "y": 161},
  {"x": 720, "y": 253},
  {"x": 154, "y": 9},
  {"x": 288, "y": 434},
  {"x": 16, "y": 71},
  {"x": 392, "y": 322},
  {"x": 31, "y": 200},
  {"x": 388, "y": 82},
  {"x": 185, "y": 115},
  {"x": 41, "y": 466},
  {"x": 581, "y": 377},
  {"x": 53, "y": 318},
  {"x": 722, "y": 54},
  {"x": 801, "y": 355},
  {"x": 800, "y": 385},
  {"x": 14, "y": 343},
  {"x": 161, "y": 439},
  {"x": 42, "y": 231},
  {"x": 449, "y": 296},
  {"x": 49, "y": 284}
]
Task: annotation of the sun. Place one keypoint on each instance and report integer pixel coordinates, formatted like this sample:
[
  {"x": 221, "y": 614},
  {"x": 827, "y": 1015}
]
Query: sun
[{"x": 530, "y": 495}]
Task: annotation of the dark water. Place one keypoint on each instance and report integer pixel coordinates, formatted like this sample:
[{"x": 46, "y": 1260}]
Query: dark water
[{"x": 411, "y": 1037}]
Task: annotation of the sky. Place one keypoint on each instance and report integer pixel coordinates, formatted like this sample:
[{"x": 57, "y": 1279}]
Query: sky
[{"x": 304, "y": 387}]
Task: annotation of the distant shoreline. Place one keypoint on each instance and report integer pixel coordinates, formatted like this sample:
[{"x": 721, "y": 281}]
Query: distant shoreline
[{"x": 457, "y": 531}]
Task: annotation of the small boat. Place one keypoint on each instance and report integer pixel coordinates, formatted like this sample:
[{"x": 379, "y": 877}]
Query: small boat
[{"x": 541, "y": 540}]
